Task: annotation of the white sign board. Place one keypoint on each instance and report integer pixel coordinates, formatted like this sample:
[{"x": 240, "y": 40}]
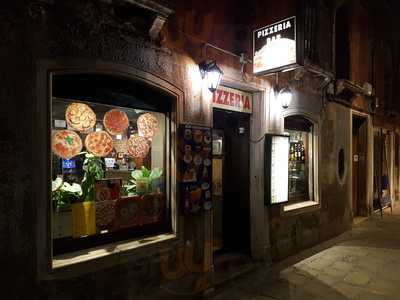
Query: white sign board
[
  {"x": 278, "y": 168},
  {"x": 232, "y": 99}
]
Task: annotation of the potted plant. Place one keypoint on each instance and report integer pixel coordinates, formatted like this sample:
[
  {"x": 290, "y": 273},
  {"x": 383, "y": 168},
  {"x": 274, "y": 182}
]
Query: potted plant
[
  {"x": 84, "y": 212},
  {"x": 63, "y": 195},
  {"x": 143, "y": 181}
]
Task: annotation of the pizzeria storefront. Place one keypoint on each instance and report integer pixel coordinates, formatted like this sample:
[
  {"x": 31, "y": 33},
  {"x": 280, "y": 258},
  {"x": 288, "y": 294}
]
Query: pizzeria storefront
[{"x": 130, "y": 177}]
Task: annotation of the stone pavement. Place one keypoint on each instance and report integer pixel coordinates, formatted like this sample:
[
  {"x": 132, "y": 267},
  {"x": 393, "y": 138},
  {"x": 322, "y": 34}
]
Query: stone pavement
[{"x": 363, "y": 263}]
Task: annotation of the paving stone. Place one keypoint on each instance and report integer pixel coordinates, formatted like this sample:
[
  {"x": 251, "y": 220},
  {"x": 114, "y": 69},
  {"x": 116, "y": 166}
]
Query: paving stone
[
  {"x": 335, "y": 272},
  {"x": 364, "y": 264},
  {"x": 310, "y": 272},
  {"x": 357, "y": 278},
  {"x": 384, "y": 287},
  {"x": 328, "y": 279},
  {"x": 348, "y": 290},
  {"x": 371, "y": 296},
  {"x": 296, "y": 279},
  {"x": 321, "y": 263},
  {"x": 343, "y": 266}
]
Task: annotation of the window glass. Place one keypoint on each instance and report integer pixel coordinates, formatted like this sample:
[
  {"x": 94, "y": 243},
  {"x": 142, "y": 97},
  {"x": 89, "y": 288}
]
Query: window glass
[
  {"x": 109, "y": 169},
  {"x": 300, "y": 158}
]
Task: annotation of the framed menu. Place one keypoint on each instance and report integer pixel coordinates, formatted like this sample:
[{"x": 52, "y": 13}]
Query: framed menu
[
  {"x": 276, "y": 169},
  {"x": 195, "y": 168}
]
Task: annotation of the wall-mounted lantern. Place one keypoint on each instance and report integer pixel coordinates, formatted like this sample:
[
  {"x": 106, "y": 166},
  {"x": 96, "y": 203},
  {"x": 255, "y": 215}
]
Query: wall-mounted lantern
[
  {"x": 211, "y": 73},
  {"x": 285, "y": 96}
]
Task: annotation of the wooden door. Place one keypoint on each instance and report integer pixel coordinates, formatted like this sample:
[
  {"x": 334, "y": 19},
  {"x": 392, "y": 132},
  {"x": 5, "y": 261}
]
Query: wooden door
[
  {"x": 355, "y": 158},
  {"x": 235, "y": 202},
  {"x": 362, "y": 207}
]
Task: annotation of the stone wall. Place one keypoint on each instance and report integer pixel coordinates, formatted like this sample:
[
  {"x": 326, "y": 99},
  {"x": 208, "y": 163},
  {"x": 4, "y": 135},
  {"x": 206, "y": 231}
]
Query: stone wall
[{"x": 90, "y": 31}]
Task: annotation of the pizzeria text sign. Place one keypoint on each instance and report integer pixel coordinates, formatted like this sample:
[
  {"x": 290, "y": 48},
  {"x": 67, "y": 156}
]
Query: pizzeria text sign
[
  {"x": 232, "y": 99},
  {"x": 274, "y": 47}
]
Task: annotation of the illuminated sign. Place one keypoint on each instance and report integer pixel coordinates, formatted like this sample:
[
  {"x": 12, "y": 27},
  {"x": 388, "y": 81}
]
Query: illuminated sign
[
  {"x": 232, "y": 99},
  {"x": 274, "y": 47},
  {"x": 276, "y": 169}
]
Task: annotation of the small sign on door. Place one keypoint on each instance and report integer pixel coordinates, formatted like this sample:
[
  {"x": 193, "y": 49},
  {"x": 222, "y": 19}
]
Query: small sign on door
[{"x": 355, "y": 157}]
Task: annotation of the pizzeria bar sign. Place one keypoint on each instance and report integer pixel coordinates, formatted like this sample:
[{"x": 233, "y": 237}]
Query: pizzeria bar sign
[
  {"x": 275, "y": 47},
  {"x": 232, "y": 99}
]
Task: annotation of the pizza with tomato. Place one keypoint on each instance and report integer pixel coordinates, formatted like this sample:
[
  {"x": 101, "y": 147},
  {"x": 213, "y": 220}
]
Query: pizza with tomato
[
  {"x": 80, "y": 117},
  {"x": 66, "y": 143},
  {"x": 138, "y": 146},
  {"x": 99, "y": 143},
  {"x": 116, "y": 121}
]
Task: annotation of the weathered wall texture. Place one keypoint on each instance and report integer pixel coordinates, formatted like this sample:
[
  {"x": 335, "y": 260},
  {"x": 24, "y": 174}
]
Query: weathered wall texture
[
  {"x": 92, "y": 31},
  {"x": 289, "y": 233}
]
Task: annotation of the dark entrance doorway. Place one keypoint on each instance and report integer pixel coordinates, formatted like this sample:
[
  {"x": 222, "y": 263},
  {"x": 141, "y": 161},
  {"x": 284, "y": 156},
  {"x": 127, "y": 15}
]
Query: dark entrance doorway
[
  {"x": 231, "y": 182},
  {"x": 359, "y": 143}
]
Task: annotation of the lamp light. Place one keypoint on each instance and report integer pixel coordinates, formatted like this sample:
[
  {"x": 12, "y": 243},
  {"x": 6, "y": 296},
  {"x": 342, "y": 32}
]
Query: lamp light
[
  {"x": 285, "y": 97},
  {"x": 211, "y": 73}
]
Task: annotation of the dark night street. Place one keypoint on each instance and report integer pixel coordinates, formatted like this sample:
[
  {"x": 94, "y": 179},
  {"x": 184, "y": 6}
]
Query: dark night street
[{"x": 362, "y": 264}]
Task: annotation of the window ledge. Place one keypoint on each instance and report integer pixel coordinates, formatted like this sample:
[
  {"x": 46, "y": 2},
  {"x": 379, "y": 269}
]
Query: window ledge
[
  {"x": 112, "y": 250},
  {"x": 300, "y": 207}
]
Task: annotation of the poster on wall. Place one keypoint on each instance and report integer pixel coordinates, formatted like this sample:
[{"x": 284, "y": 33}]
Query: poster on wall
[
  {"x": 232, "y": 99},
  {"x": 275, "y": 47},
  {"x": 195, "y": 168},
  {"x": 276, "y": 169}
]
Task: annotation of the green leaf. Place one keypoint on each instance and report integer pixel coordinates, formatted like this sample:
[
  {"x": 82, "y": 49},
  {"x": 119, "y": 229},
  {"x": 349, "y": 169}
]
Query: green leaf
[
  {"x": 137, "y": 174},
  {"x": 145, "y": 172},
  {"x": 155, "y": 173},
  {"x": 69, "y": 140}
]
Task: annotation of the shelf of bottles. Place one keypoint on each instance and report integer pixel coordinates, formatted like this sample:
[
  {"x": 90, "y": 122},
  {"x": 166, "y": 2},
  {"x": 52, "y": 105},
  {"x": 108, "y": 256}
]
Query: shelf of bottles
[
  {"x": 297, "y": 152},
  {"x": 297, "y": 169}
]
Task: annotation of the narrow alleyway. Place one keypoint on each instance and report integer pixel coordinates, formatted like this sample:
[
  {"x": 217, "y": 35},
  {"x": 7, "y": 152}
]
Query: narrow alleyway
[{"x": 363, "y": 263}]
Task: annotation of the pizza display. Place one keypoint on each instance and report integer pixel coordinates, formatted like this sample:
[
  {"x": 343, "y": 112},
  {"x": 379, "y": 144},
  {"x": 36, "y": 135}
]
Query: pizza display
[
  {"x": 116, "y": 121},
  {"x": 147, "y": 125},
  {"x": 80, "y": 117},
  {"x": 66, "y": 143},
  {"x": 138, "y": 146},
  {"x": 99, "y": 143}
]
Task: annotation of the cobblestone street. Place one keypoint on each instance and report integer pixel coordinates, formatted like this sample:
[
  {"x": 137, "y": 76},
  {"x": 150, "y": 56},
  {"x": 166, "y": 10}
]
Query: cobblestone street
[{"x": 363, "y": 263}]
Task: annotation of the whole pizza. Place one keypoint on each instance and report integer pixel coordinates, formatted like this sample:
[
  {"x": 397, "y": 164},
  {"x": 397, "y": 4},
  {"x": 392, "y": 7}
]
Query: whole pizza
[
  {"x": 99, "y": 143},
  {"x": 138, "y": 146},
  {"x": 115, "y": 121},
  {"x": 66, "y": 143},
  {"x": 147, "y": 125},
  {"x": 80, "y": 117}
]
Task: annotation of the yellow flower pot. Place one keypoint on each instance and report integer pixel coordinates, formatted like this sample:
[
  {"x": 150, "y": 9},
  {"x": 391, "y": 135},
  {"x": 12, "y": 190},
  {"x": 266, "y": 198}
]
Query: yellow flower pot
[{"x": 83, "y": 219}]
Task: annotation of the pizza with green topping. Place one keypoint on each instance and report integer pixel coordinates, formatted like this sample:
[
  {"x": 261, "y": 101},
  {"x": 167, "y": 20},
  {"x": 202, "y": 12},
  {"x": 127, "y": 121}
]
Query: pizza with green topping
[{"x": 66, "y": 143}]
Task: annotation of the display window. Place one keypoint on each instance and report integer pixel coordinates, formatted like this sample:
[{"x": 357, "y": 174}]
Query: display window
[
  {"x": 300, "y": 131},
  {"x": 109, "y": 162}
]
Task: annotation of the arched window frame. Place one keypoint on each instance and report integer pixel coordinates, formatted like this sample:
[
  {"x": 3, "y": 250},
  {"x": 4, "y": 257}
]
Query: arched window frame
[{"x": 313, "y": 202}]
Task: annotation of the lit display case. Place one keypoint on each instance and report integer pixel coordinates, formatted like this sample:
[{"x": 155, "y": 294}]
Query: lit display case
[
  {"x": 276, "y": 169},
  {"x": 109, "y": 170}
]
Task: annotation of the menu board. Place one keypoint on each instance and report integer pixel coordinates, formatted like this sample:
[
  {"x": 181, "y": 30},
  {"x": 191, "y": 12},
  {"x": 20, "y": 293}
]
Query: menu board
[
  {"x": 276, "y": 169},
  {"x": 195, "y": 168}
]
